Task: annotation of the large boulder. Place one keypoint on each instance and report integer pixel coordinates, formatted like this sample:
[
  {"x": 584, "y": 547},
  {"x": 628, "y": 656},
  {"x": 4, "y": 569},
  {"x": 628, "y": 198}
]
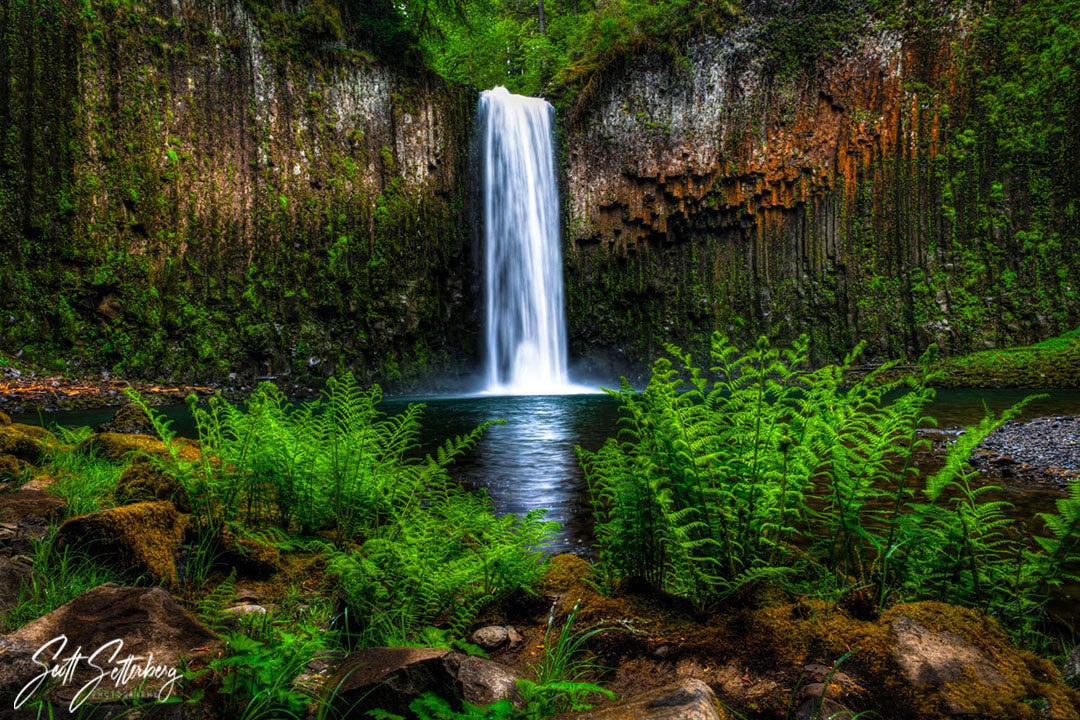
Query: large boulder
[
  {"x": 31, "y": 504},
  {"x": 391, "y": 678},
  {"x": 142, "y": 622},
  {"x": 686, "y": 700},
  {"x": 141, "y": 539},
  {"x": 143, "y": 479}
]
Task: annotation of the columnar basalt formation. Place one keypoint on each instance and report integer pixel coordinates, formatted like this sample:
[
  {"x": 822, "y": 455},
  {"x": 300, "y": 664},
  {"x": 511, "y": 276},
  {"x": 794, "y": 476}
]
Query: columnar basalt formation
[
  {"x": 723, "y": 190},
  {"x": 190, "y": 188}
]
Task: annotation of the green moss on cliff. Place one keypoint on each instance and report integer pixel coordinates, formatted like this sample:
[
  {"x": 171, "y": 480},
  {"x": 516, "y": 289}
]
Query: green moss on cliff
[{"x": 184, "y": 197}]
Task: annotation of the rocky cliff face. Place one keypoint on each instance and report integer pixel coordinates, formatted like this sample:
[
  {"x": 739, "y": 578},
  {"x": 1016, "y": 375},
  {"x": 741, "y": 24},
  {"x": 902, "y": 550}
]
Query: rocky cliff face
[
  {"x": 785, "y": 178},
  {"x": 190, "y": 188}
]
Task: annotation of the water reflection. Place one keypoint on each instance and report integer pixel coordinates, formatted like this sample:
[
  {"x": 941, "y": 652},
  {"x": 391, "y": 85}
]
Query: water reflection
[{"x": 529, "y": 461}]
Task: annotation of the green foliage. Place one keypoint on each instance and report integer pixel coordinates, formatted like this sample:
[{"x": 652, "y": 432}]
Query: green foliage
[
  {"x": 254, "y": 679},
  {"x": 421, "y": 550},
  {"x": 766, "y": 471},
  {"x": 442, "y": 560},
  {"x": 501, "y": 42},
  {"x": 559, "y": 681},
  {"x": 86, "y": 482},
  {"x": 60, "y": 575}
]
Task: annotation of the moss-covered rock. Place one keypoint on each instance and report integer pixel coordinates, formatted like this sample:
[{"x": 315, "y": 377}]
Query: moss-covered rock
[
  {"x": 25, "y": 442},
  {"x": 116, "y": 446},
  {"x": 130, "y": 420},
  {"x": 143, "y": 479},
  {"x": 5, "y": 419},
  {"x": 142, "y": 538}
]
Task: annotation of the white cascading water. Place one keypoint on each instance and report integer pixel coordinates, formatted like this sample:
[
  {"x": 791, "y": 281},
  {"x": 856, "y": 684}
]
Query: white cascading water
[{"x": 526, "y": 329}]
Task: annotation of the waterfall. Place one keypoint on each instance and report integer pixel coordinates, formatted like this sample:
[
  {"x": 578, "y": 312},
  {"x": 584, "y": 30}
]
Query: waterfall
[{"x": 523, "y": 293}]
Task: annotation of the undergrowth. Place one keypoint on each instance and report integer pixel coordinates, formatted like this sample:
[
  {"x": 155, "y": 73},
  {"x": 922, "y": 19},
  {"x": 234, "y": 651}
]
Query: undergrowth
[{"x": 762, "y": 470}]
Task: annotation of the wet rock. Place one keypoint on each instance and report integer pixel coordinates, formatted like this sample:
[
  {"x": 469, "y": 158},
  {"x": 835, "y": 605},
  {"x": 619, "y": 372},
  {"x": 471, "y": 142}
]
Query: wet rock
[
  {"x": 142, "y": 479},
  {"x": 492, "y": 637},
  {"x": 686, "y": 700},
  {"x": 145, "y": 620},
  {"x": 1046, "y": 448},
  {"x": 141, "y": 539},
  {"x": 12, "y": 577},
  {"x": 30, "y": 505},
  {"x": 129, "y": 420}
]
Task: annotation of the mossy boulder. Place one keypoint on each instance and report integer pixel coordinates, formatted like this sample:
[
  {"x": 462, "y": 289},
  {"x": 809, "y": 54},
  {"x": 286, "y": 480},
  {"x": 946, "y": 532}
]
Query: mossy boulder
[
  {"x": 116, "y": 446},
  {"x": 142, "y": 539},
  {"x": 129, "y": 420},
  {"x": 143, "y": 479},
  {"x": 25, "y": 442},
  {"x": 5, "y": 419}
]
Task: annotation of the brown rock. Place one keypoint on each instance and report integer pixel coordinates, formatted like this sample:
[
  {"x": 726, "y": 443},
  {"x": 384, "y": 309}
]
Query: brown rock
[
  {"x": 491, "y": 637},
  {"x": 390, "y": 679},
  {"x": 483, "y": 681},
  {"x": 141, "y": 538},
  {"x": 26, "y": 504},
  {"x": 146, "y": 620},
  {"x": 936, "y": 658},
  {"x": 516, "y": 641},
  {"x": 12, "y": 577},
  {"x": 16, "y": 538},
  {"x": 687, "y": 700}
]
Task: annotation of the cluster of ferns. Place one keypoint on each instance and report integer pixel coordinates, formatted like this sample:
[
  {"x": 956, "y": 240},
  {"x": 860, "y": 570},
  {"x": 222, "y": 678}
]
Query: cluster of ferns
[{"x": 761, "y": 469}]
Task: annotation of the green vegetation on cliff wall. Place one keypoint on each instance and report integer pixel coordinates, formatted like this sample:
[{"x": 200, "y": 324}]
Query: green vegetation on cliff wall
[
  {"x": 191, "y": 190},
  {"x": 899, "y": 173}
]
